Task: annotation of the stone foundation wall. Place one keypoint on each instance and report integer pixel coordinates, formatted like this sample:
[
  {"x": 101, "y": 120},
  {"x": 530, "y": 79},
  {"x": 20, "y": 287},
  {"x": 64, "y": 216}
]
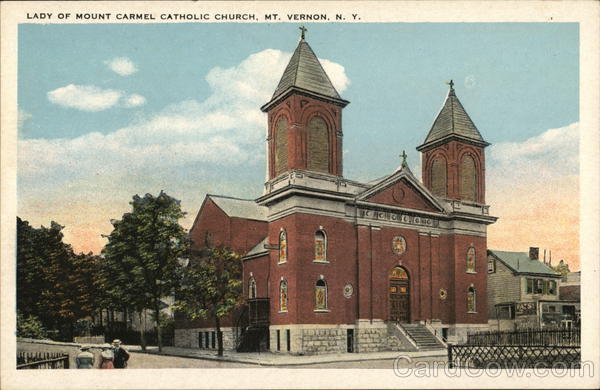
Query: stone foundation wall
[
  {"x": 189, "y": 338},
  {"x": 371, "y": 338},
  {"x": 317, "y": 341}
]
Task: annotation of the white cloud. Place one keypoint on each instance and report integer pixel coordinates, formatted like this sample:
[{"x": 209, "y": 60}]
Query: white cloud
[
  {"x": 134, "y": 100},
  {"x": 92, "y": 98},
  {"x": 552, "y": 154},
  {"x": 226, "y": 129},
  {"x": 122, "y": 66},
  {"x": 84, "y": 97}
]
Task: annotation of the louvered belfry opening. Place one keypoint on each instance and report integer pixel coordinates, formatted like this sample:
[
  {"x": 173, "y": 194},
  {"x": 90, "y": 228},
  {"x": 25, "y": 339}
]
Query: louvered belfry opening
[
  {"x": 318, "y": 145},
  {"x": 468, "y": 179},
  {"x": 313, "y": 110},
  {"x": 439, "y": 177},
  {"x": 281, "y": 146}
]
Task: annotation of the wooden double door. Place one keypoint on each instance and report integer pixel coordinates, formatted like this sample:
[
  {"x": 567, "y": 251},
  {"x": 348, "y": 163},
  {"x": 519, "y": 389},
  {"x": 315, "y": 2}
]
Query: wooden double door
[{"x": 399, "y": 296}]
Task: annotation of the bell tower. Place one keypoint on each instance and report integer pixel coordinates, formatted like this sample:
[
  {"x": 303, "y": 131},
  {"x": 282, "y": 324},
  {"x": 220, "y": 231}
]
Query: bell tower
[
  {"x": 453, "y": 159},
  {"x": 304, "y": 118}
]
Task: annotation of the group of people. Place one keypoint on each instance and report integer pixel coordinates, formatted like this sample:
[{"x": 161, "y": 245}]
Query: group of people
[{"x": 111, "y": 356}]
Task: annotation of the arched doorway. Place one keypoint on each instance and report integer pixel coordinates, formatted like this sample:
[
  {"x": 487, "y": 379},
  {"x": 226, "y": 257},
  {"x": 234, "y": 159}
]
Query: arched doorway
[{"x": 399, "y": 295}]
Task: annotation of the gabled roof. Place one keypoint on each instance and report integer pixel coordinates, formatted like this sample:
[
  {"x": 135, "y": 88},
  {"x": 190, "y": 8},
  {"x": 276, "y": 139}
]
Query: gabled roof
[
  {"x": 259, "y": 249},
  {"x": 405, "y": 173},
  {"x": 520, "y": 263},
  {"x": 453, "y": 121},
  {"x": 305, "y": 71},
  {"x": 240, "y": 208}
]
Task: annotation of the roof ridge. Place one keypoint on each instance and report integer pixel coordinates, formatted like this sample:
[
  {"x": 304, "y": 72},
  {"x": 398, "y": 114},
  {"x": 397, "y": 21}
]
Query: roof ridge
[{"x": 229, "y": 197}]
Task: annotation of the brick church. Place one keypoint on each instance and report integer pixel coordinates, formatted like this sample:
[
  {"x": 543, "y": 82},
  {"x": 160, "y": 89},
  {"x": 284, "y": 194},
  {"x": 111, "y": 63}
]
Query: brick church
[{"x": 334, "y": 265}]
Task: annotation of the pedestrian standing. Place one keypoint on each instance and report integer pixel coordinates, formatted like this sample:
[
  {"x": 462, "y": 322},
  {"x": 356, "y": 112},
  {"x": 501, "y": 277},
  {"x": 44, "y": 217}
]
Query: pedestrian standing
[
  {"x": 121, "y": 355},
  {"x": 106, "y": 357},
  {"x": 85, "y": 359}
]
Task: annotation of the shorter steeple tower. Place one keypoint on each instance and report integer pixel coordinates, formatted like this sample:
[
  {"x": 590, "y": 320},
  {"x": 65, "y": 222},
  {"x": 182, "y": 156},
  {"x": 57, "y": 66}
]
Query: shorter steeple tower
[
  {"x": 304, "y": 118},
  {"x": 453, "y": 157}
]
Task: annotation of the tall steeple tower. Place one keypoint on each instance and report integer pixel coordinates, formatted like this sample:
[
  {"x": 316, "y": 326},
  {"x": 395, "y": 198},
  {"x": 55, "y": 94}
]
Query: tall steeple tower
[
  {"x": 453, "y": 158},
  {"x": 304, "y": 118}
]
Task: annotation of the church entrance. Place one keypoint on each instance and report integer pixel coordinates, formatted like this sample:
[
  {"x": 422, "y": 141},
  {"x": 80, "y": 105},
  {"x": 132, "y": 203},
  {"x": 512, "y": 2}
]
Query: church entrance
[{"x": 399, "y": 295}]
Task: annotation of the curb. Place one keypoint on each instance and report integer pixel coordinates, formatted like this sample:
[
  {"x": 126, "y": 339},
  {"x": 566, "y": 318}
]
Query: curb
[{"x": 275, "y": 364}]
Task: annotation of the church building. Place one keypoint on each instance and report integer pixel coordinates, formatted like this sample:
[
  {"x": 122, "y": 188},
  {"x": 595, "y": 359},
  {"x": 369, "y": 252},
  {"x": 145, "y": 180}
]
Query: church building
[{"x": 334, "y": 265}]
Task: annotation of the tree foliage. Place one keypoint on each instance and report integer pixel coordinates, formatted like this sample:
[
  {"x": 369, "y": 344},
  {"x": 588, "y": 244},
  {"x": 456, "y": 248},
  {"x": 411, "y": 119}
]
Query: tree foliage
[
  {"x": 141, "y": 258},
  {"x": 53, "y": 283},
  {"x": 211, "y": 287}
]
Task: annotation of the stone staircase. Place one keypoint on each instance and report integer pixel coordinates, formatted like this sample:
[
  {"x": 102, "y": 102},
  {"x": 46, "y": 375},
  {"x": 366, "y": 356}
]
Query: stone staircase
[{"x": 422, "y": 337}]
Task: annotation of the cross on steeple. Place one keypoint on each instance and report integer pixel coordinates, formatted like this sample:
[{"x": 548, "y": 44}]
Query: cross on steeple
[
  {"x": 404, "y": 155},
  {"x": 451, "y": 84},
  {"x": 303, "y": 33}
]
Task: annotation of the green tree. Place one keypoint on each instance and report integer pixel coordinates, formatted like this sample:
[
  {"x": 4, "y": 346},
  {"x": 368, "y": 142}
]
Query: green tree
[
  {"x": 211, "y": 287},
  {"x": 141, "y": 257},
  {"x": 53, "y": 284},
  {"x": 30, "y": 327},
  {"x": 561, "y": 268}
]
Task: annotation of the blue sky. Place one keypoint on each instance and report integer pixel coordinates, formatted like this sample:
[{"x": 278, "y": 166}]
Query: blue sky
[{"x": 110, "y": 110}]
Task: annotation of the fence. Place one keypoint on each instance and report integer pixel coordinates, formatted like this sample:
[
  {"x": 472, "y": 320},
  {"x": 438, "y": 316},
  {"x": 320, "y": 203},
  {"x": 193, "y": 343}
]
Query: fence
[
  {"x": 527, "y": 337},
  {"x": 42, "y": 360},
  {"x": 511, "y": 356},
  {"x": 523, "y": 348}
]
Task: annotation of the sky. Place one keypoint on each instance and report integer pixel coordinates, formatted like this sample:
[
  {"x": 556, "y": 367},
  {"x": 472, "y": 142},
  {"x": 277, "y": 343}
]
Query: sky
[{"x": 107, "y": 111}]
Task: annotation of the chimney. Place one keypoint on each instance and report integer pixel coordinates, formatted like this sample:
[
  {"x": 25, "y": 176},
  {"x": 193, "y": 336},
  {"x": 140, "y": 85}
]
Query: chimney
[
  {"x": 544, "y": 256},
  {"x": 534, "y": 253},
  {"x": 550, "y": 261}
]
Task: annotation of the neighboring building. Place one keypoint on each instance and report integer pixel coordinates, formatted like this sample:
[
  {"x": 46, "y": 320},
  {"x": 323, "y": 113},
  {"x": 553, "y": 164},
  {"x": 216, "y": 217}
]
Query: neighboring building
[
  {"x": 334, "y": 265},
  {"x": 524, "y": 292}
]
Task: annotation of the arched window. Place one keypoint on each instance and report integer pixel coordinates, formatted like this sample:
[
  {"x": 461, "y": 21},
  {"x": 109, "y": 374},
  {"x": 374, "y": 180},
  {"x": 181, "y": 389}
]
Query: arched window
[
  {"x": 282, "y": 246},
  {"x": 320, "y": 246},
  {"x": 252, "y": 288},
  {"x": 471, "y": 300},
  {"x": 468, "y": 179},
  {"x": 283, "y": 295},
  {"x": 318, "y": 145},
  {"x": 438, "y": 177},
  {"x": 281, "y": 146},
  {"x": 321, "y": 295},
  {"x": 471, "y": 259}
]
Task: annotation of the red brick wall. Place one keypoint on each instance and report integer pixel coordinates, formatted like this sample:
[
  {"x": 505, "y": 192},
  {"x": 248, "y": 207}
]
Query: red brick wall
[
  {"x": 238, "y": 234},
  {"x": 299, "y": 110}
]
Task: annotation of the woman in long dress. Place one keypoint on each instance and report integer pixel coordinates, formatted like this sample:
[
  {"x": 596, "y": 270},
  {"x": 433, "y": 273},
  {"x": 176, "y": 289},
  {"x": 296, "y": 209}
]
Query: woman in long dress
[{"x": 106, "y": 357}]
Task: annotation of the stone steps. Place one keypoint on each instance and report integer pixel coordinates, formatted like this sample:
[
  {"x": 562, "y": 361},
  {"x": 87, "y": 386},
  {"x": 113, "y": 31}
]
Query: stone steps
[{"x": 424, "y": 339}]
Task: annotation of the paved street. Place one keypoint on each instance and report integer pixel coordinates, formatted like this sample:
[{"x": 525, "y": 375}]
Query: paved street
[{"x": 146, "y": 360}]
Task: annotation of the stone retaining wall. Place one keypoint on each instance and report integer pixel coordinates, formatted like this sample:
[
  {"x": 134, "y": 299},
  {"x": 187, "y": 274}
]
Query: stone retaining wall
[
  {"x": 189, "y": 338},
  {"x": 317, "y": 341}
]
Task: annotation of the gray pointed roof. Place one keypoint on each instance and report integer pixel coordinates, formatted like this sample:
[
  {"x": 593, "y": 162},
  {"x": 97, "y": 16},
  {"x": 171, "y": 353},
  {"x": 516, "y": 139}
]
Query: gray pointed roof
[
  {"x": 305, "y": 71},
  {"x": 453, "y": 121},
  {"x": 520, "y": 263}
]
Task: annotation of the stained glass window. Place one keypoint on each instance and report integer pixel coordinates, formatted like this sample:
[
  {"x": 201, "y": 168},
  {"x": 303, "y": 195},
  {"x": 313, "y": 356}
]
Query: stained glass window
[
  {"x": 321, "y": 295},
  {"x": 471, "y": 259},
  {"x": 282, "y": 247},
  {"x": 471, "y": 300},
  {"x": 252, "y": 288},
  {"x": 398, "y": 273},
  {"x": 283, "y": 295},
  {"x": 320, "y": 246}
]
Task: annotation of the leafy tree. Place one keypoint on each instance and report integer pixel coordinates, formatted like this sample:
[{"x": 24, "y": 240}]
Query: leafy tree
[
  {"x": 53, "y": 284},
  {"x": 30, "y": 327},
  {"x": 562, "y": 268},
  {"x": 141, "y": 257},
  {"x": 211, "y": 287}
]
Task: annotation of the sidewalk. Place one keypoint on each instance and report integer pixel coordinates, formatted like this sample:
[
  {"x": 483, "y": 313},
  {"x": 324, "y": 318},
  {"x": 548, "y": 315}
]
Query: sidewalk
[{"x": 275, "y": 359}]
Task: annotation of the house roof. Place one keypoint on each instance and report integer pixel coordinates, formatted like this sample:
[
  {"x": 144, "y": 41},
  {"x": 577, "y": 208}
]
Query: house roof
[
  {"x": 520, "y": 262},
  {"x": 305, "y": 71},
  {"x": 453, "y": 120},
  {"x": 259, "y": 249},
  {"x": 240, "y": 208}
]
